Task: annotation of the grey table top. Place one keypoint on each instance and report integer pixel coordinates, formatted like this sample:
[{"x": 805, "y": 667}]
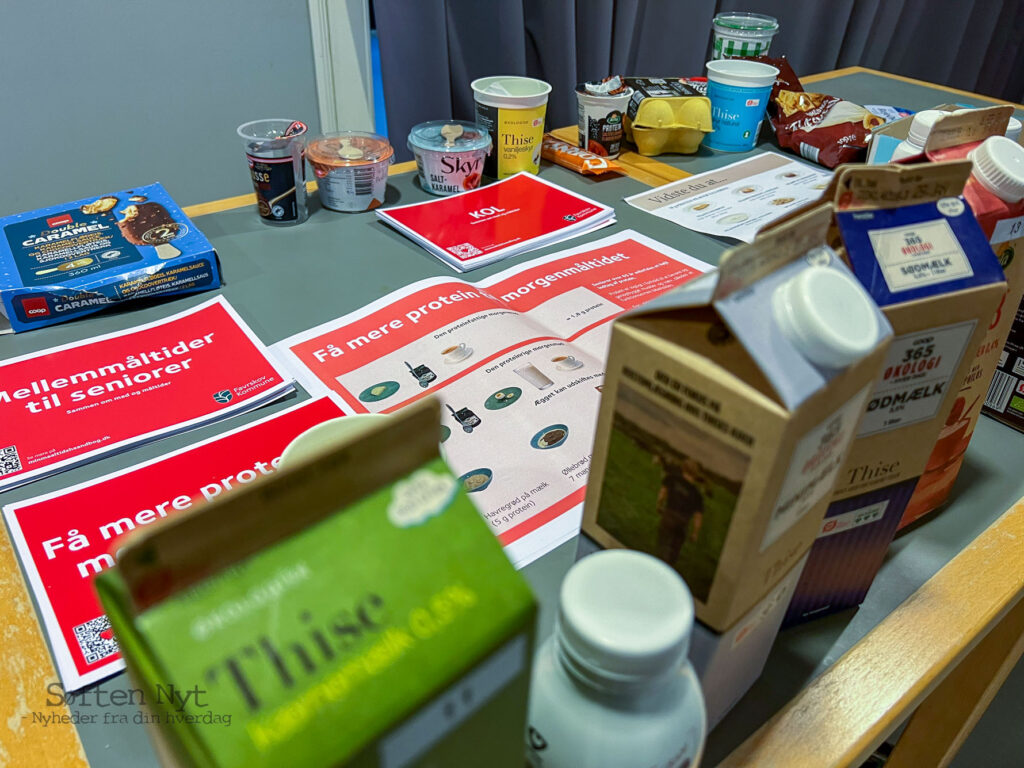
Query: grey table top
[{"x": 283, "y": 280}]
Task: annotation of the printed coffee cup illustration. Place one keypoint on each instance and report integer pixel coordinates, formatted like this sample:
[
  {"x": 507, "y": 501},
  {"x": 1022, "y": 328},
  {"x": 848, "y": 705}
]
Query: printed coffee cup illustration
[
  {"x": 503, "y": 398},
  {"x": 566, "y": 362},
  {"x": 550, "y": 437},
  {"x": 422, "y": 374},
  {"x": 476, "y": 479},
  {"x": 379, "y": 391},
  {"x": 466, "y": 418},
  {"x": 151, "y": 224},
  {"x": 456, "y": 353},
  {"x": 534, "y": 375}
]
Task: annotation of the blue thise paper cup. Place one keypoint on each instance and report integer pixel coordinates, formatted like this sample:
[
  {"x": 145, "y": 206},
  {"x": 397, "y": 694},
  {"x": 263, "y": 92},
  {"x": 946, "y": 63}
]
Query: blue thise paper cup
[{"x": 739, "y": 91}]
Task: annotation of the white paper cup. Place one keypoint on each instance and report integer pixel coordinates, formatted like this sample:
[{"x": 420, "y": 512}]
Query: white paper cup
[
  {"x": 742, "y": 34},
  {"x": 512, "y": 109},
  {"x": 600, "y": 121}
]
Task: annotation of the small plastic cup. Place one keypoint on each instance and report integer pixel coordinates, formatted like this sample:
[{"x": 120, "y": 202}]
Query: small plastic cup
[
  {"x": 742, "y": 34},
  {"x": 512, "y": 109},
  {"x": 450, "y": 155},
  {"x": 738, "y": 90},
  {"x": 274, "y": 150},
  {"x": 601, "y": 120},
  {"x": 351, "y": 169}
]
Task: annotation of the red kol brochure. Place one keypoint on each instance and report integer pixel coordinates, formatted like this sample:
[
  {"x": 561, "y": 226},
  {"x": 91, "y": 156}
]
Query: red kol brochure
[
  {"x": 68, "y": 405},
  {"x": 476, "y": 228},
  {"x": 65, "y": 538},
  {"x": 517, "y": 361}
]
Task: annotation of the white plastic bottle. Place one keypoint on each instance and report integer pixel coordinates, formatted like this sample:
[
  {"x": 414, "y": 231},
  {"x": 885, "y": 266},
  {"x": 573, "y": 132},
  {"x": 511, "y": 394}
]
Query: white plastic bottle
[
  {"x": 612, "y": 687},
  {"x": 920, "y": 127}
]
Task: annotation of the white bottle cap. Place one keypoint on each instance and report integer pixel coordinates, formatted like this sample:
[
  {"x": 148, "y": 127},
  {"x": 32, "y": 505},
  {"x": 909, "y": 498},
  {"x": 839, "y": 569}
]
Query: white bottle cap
[
  {"x": 625, "y": 615},
  {"x": 999, "y": 166},
  {"x": 922, "y": 124},
  {"x": 1013, "y": 130},
  {"x": 827, "y": 316}
]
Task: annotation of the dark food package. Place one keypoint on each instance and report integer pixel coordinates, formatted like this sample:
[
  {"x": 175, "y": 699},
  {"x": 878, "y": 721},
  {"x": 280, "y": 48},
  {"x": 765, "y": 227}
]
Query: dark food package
[{"x": 821, "y": 128}]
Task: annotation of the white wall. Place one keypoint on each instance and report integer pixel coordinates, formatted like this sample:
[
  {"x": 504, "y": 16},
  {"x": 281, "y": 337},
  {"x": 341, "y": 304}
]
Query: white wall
[{"x": 97, "y": 95}]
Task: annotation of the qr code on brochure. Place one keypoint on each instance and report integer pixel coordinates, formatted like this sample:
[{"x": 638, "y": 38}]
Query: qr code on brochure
[
  {"x": 10, "y": 461},
  {"x": 96, "y": 639},
  {"x": 464, "y": 251}
]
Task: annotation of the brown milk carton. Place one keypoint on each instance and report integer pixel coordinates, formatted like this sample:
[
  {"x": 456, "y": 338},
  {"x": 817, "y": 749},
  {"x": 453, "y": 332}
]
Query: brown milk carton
[
  {"x": 915, "y": 245},
  {"x": 728, "y": 410}
]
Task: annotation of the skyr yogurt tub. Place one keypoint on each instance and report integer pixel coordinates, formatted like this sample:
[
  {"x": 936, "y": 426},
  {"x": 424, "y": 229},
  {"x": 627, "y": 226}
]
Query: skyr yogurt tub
[{"x": 449, "y": 155}]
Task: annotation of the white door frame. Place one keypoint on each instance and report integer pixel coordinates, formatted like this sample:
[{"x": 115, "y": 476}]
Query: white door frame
[{"x": 341, "y": 56}]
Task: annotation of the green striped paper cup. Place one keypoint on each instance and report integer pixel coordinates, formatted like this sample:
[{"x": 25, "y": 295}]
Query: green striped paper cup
[{"x": 742, "y": 34}]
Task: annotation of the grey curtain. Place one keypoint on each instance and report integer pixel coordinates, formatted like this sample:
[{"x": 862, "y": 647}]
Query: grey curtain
[{"x": 432, "y": 49}]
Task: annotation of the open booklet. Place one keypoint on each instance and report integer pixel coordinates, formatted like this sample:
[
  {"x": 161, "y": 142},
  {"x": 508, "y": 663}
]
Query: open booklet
[{"x": 518, "y": 362}]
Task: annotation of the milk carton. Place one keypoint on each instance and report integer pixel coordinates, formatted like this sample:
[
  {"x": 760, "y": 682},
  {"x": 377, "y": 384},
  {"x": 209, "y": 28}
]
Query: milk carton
[
  {"x": 353, "y": 609},
  {"x": 728, "y": 409},
  {"x": 915, "y": 245}
]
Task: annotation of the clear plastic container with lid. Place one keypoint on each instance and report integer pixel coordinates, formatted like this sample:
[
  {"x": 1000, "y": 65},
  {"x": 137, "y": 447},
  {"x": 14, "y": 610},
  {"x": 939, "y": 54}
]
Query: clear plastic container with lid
[
  {"x": 449, "y": 155},
  {"x": 351, "y": 169},
  {"x": 612, "y": 686},
  {"x": 742, "y": 34}
]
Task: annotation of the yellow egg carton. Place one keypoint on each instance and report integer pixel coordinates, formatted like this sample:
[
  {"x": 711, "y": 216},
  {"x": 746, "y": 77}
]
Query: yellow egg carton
[{"x": 666, "y": 115}]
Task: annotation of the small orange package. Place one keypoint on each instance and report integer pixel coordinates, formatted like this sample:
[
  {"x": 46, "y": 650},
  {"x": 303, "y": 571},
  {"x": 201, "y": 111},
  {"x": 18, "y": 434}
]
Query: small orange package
[{"x": 577, "y": 159}]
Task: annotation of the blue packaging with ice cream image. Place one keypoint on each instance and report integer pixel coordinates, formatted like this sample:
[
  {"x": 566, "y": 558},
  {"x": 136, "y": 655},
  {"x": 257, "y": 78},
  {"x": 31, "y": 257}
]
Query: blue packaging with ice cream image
[{"x": 66, "y": 261}]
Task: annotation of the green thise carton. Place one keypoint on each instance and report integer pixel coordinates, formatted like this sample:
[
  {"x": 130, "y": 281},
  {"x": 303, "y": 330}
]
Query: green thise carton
[{"x": 353, "y": 609}]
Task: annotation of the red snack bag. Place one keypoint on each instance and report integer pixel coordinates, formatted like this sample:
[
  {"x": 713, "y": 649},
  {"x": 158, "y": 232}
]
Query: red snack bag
[
  {"x": 577, "y": 159},
  {"x": 821, "y": 128}
]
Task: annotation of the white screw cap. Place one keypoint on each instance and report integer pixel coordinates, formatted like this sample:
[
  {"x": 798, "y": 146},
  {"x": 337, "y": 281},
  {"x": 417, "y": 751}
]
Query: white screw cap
[
  {"x": 922, "y": 124},
  {"x": 999, "y": 166},
  {"x": 625, "y": 614},
  {"x": 827, "y": 316}
]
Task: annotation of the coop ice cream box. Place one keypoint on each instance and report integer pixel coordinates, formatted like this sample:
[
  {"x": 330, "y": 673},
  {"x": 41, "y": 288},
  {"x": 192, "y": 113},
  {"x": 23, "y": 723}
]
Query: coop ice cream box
[{"x": 66, "y": 261}]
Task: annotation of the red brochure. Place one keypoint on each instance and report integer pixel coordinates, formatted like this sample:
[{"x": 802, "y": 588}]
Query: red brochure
[
  {"x": 69, "y": 405},
  {"x": 65, "y": 538},
  {"x": 503, "y": 219}
]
